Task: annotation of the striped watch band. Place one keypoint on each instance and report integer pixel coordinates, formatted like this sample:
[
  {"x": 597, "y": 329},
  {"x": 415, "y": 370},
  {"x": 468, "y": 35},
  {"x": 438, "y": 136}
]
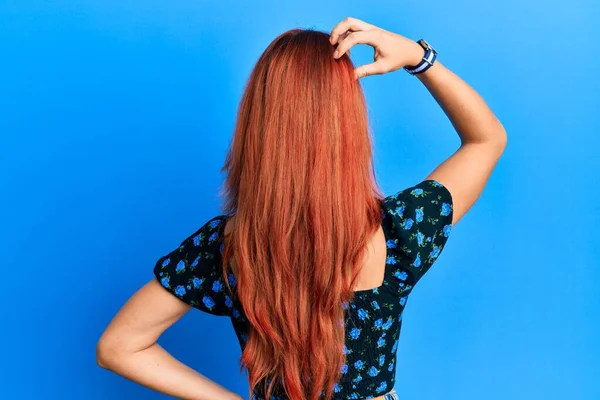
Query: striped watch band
[{"x": 426, "y": 63}]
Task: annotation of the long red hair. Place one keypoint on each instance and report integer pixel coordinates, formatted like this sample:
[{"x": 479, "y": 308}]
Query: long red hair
[{"x": 301, "y": 183}]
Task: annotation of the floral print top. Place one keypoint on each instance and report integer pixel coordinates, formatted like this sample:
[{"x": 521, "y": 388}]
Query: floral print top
[{"x": 416, "y": 223}]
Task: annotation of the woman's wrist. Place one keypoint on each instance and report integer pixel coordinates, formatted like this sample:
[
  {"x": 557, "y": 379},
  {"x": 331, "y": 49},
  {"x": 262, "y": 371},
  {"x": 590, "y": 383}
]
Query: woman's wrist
[
  {"x": 415, "y": 56},
  {"x": 425, "y": 76}
]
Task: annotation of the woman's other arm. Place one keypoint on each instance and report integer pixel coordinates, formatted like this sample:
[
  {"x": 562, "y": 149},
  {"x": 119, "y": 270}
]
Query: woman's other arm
[
  {"x": 128, "y": 347},
  {"x": 482, "y": 136}
]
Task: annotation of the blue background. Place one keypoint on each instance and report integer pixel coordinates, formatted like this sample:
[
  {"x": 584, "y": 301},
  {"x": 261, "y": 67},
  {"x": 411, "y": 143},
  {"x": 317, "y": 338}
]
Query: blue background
[{"x": 115, "y": 118}]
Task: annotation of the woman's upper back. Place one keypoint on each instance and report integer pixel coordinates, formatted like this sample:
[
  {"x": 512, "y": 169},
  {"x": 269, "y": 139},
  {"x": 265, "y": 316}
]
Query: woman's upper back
[{"x": 415, "y": 226}]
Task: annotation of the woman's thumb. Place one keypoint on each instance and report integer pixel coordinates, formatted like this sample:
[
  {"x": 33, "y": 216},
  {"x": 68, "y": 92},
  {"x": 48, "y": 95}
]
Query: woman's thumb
[{"x": 365, "y": 70}]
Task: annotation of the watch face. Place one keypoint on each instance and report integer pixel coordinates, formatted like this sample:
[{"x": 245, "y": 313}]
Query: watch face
[{"x": 426, "y": 45}]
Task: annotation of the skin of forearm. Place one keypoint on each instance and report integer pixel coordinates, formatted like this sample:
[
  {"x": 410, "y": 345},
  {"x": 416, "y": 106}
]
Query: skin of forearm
[
  {"x": 467, "y": 111},
  {"x": 156, "y": 369}
]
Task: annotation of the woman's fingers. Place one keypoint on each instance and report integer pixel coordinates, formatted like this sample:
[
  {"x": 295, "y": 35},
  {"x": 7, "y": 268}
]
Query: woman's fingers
[
  {"x": 348, "y": 24},
  {"x": 353, "y": 31},
  {"x": 368, "y": 69},
  {"x": 342, "y": 37},
  {"x": 363, "y": 37}
]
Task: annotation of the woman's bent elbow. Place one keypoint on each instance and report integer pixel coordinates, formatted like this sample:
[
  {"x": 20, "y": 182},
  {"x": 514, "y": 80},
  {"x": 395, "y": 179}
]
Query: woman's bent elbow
[
  {"x": 501, "y": 139},
  {"x": 105, "y": 355}
]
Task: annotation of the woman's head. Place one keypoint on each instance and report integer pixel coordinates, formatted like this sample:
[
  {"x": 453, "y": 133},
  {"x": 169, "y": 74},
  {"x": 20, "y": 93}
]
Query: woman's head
[{"x": 301, "y": 183}]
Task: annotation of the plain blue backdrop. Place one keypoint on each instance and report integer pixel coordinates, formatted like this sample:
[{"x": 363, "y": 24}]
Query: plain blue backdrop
[{"x": 115, "y": 118}]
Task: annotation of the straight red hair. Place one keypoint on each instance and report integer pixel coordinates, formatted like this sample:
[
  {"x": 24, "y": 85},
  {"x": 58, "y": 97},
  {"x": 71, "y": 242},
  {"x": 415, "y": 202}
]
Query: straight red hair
[{"x": 301, "y": 183}]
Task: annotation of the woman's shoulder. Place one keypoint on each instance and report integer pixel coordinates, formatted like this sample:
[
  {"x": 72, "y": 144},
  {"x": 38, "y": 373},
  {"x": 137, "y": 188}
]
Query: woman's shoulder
[
  {"x": 423, "y": 193},
  {"x": 213, "y": 229},
  {"x": 419, "y": 221}
]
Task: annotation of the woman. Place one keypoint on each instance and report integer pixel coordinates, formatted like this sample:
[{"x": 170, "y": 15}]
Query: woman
[{"x": 311, "y": 262}]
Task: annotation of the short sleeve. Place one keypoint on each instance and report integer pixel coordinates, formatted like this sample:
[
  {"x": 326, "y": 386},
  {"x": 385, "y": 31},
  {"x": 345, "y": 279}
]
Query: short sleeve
[
  {"x": 420, "y": 221},
  {"x": 193, "y": 271}
]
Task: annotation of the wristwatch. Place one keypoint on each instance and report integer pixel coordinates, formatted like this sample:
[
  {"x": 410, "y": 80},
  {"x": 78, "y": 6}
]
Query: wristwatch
[{"x": 427, "y": 60}]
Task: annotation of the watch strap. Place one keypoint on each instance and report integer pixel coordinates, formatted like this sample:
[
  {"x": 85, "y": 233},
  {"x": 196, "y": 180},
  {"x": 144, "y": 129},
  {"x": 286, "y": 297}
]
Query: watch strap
[{"x": 426, "y": 62}]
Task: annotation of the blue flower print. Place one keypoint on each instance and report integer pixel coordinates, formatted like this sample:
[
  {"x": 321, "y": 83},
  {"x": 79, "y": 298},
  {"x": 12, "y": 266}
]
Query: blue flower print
[
  {"x": 197, "y": 282},
  {"x": 395, "y": 346},
  {"x": 388, "y": 323},
  {"x": 244, "y": 336},
  {"x": 391, "y": 243},
  {"x": 400, "y": 210},
  {"x": 381, "y": 359},
  {"x": 217, "y": 286},
  {"x": 417, "y": 262},
  {"x": 378, "y": 323},
  {"x": 435, "y": 252},
  {"x": 345, "y": 305},
  {"x": 435, "y": 183},
  {"x": 390, "y": 260},
  {"x": 408, "y": 223},
  {"x": 447, "y": 230},
  {"x": 228, "y": 302},
  {"x": 419, "y": 214},
  {"x": 357, "y": 379},
  {"x": 214, "y": 224},
  {"x": 381, "y": 342},
  {"x": 373, "y": 371},
  {"x": 382, "y": 386},
  {"x": 362, "y": 314},
  {"x": 344, "y": 369},
  {"x": 420, "y": 238},
  {"x": 391, "y": 366},
  {"x": 446, "y": 209},
  {"x": 231, "y": 279},
  {"x": 337, "y": 388},
  {"x": 197, "y": 240},
  {"x": 375, "y": 304},
  {"x": 208, "y": 301},
  {"x": 165, "y": 282},
  {"x": 195, "y": 263},
  {"x": 221, "y": 248},
  {"x": 345, "y": 350},
  {"x": 354, "y": 333},
  {"x": 402, "y": 301},
  {"x": 401, "y": 275},
  {"x": 180, "y": 290},
  {"x": 359, "y": 365},
  {"x": 417, "y": 192},
  {"x": 166, "y": 262},
  {"x": 213, "y": 237},
  {"x": 236, "y": 313},
  {"x": 180, "y": 266}
]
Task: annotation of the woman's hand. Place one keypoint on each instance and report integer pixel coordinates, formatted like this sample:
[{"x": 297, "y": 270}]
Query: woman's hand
[
  {"x": 483, "y": 138},
  {"x": 391, "y": 51}
]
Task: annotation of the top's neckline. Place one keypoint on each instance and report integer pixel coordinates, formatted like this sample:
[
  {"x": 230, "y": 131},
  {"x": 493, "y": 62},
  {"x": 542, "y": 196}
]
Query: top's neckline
[{"x": 385, "y": 268}]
